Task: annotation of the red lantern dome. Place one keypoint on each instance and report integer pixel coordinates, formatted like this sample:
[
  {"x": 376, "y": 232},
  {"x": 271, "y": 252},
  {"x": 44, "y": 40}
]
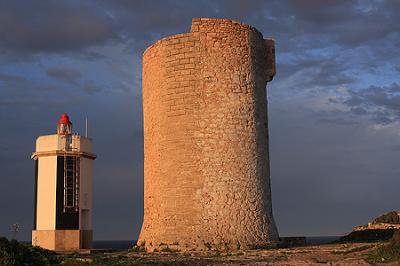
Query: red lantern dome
[
  {"x": 64, "y": 119},
  {"x": 64, "y": 125}
]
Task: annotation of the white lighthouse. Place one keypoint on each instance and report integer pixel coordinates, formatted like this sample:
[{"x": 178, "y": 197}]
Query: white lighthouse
[{"x": 63, "y": 190}]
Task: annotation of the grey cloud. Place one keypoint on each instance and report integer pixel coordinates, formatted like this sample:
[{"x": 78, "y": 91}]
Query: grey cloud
[
  {"x": 382, "y": 103},
  {"x": 354, "y": 100},
  {"x": 316, "y": 71},
  {"x": 50, "y": 26},
  {"x": 332, "y": 167},
  {"x": 89, "y": 55},
  {"x": 73, "y": 76},
  {"x": 329, "y": 73},
  {"x": 336, "y": 121},
  {"x": 69, "y": 75},
  {"x": 382, "y": 119},
  {"x": 237, "y": 10},
  {"x": 35, "y": 101},
  {"x": 396, "y": 148},
  {"x": 90, "y": 87},
  {"x": 146, "y": 17},
  {"x": 286, "y": 69},
  {"x": 359, "y": 111},
  {"x": 394, "y": 88},
  {"x": 11, "y": 78},
  {"x": 345, "y": 22},
  {"x": 317, "y": 12},
  {"x": 384, "y": 96},
  {"x": 36, "y": 95}
]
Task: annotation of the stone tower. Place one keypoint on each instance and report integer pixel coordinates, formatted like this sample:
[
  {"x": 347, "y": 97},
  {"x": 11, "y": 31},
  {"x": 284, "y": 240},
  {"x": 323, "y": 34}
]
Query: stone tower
[{"x": 206, "y": 162}]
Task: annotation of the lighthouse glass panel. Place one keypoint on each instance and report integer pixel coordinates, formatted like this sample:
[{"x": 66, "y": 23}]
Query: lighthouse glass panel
[
  {"x": 71, "y": 184},
  {"x": 64, "y": 129}
]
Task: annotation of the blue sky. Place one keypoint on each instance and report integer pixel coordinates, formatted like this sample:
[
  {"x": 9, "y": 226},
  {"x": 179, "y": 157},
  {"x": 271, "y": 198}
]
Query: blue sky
[{"x": 334, "y": 104}]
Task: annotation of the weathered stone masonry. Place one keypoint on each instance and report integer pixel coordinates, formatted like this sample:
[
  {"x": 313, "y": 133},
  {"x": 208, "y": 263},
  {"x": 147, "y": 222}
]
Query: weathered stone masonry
[{"x": 206, "y": 164}]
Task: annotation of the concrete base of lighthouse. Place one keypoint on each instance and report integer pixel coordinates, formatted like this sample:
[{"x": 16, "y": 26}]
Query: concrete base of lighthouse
[{"x": 63, "y": 240}]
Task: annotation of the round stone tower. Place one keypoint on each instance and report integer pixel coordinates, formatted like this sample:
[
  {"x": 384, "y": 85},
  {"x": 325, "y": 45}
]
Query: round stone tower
[{"x": 206, "y": 164}]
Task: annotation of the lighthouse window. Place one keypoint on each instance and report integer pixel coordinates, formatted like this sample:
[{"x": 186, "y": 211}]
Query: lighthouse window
[{"x": 71, "y": 184}]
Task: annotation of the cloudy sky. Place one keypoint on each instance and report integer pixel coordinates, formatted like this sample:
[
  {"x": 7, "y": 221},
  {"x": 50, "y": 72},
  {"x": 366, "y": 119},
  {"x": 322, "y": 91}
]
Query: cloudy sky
[{"x": 334, "y": 103}]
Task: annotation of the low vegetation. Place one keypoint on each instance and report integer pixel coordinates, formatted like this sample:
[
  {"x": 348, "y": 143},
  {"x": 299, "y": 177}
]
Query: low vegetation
[
  {"x": 137, "y": 249},
  {"x": 371, "y": 235},
  {"x": 269, "y": 245},
  {"x": 388, "y": 252},
  {"x": 13, "y": 253}
]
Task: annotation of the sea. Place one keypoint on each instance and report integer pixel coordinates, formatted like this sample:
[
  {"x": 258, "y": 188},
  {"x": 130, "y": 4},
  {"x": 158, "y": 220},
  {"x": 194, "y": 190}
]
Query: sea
[{"x": 321, "y": 240}]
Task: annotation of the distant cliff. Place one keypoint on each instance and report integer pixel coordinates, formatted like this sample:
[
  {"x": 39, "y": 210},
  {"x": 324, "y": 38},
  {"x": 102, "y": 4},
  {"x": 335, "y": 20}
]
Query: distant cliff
[
  {"x": 381, "y": 228},
  {"x": 390, "y": 220}
]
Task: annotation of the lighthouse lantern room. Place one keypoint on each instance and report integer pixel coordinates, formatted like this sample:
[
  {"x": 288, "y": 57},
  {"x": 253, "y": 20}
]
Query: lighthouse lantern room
[{"x": 63, "y": 190}]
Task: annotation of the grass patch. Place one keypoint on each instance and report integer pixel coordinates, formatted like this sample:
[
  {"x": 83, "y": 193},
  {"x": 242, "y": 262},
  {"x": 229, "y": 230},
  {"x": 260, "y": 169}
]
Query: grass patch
[
  {"x": 137, "y": 249},
  {"x": 115, "y": 260},
  {"x": 14, "y": 253},
  {"x": 75, "y": 262},
  {"x": 385, "y": 253},
  {"x": 352, "y": 250},
  {"x": 269, "y": 245}
]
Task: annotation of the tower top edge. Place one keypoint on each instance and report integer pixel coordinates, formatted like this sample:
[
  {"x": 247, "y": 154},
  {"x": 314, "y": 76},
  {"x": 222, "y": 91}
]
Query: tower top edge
[
  {"x": 223, "y": 21},
  {"x": 202, "y": 21}
]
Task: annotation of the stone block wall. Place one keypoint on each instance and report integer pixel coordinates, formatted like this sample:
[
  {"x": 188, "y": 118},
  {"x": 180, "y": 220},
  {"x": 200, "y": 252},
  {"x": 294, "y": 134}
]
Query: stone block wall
[{"x": 206, "y": 164}]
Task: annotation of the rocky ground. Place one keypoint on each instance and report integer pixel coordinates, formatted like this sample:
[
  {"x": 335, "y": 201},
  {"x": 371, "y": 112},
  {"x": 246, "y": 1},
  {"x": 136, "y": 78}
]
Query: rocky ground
[
  {"x": 13, "y": 253},
  {"x": 331, "y": 254}
]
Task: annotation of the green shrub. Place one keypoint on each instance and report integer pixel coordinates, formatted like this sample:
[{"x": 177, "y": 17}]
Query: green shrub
[
  {"x": 270, "y": 245},
  {"x": 370, "y": 235},
  {"x": 137, "y": 249},
  {"x": 387, "y": 253},
  {"x": 12, "y": 253}
]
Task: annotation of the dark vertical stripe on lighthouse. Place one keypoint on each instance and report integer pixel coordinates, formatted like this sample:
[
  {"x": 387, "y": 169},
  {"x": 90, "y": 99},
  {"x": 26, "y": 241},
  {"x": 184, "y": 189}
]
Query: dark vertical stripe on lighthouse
[
  {"x": 36, "y": 187},
  {"x": 64, "y": 220}
]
